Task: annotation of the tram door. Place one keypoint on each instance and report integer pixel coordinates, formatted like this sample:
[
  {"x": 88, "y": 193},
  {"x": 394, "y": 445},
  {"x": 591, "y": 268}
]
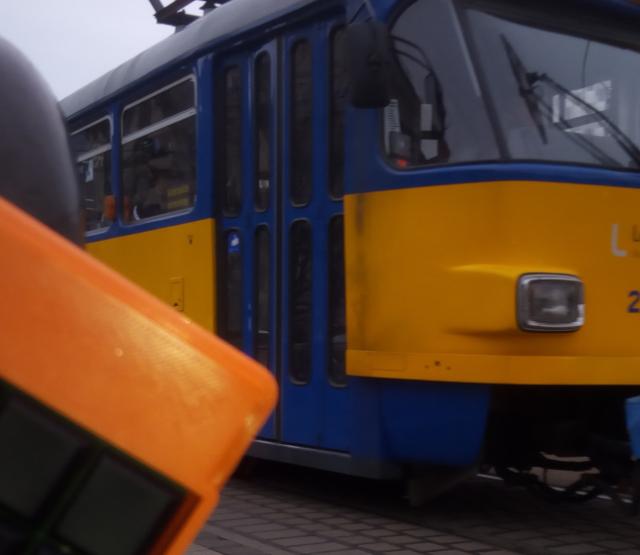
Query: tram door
[{"x": 279, "y": 112}]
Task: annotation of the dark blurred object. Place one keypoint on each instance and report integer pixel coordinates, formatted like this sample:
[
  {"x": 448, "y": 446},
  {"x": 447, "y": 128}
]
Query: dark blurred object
[
  {"x": 174, "y": 14},
  {"x": 37, "y": 171}
]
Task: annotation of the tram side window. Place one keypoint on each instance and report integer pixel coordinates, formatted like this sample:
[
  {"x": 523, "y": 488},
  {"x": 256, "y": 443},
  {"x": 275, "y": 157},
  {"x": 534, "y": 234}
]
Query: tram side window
[
  {"x": 263, "y": 131},
  {"x": 165, "y": 104},
  {"x": 159, "y": 153},
  {"x": 92, "y": 147},
  {"x": 300, "y": 297},
  {"x": 231, "y": 281},
  {"x": 301, "y": 123},
  {"x": 338, "y": 102},
  {"x": 337, "y": 326},
  {"x": 231, "y": 144},
  {"x": 262, "y": 275}
]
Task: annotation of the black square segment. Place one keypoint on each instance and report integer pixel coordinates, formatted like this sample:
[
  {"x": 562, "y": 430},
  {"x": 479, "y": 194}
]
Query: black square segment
[
  {"x": 36, "y": 449},
  {"x": 53, "y": 549},
  {"x": 117, "y": 510},
  {"x": 13, "y": 538}
]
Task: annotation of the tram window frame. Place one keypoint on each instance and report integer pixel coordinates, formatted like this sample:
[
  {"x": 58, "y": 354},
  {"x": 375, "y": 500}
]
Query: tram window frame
[
  {"x": 187, "y": 187},
  {"x": 229, "y": 154},
  {"x": 103, "y": 149},
  {"x": 156, "y": 92},
  {"x": 262, "y": 114},
  {"x": 306, "y": 371},
  {"x": 337, "y": 116},
  {"x": 301, "y": 135}
]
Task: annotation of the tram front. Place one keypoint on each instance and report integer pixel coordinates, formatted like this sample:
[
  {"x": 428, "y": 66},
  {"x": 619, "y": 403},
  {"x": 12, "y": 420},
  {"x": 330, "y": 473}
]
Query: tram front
[{"x": 493, "y": 241}]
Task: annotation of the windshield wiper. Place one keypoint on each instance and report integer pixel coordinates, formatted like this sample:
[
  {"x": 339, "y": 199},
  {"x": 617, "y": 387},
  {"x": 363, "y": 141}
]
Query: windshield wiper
[
  {"x": 526, "y": 88},
  {"x": 535, "y": 104},
  {"x": 619, "y": 136}
]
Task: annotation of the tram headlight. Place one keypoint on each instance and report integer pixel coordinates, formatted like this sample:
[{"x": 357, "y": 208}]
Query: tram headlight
[{"x": 550, "y": 302}]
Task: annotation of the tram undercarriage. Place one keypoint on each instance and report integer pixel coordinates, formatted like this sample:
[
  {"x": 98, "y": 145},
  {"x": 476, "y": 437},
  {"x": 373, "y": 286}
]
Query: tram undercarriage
[
  {"x": 535, "y": 431},
  {"x": 582, "y": 430}
]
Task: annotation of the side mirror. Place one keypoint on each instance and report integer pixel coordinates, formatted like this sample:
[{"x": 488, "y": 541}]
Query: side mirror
[{"x": 369, "y": 59}]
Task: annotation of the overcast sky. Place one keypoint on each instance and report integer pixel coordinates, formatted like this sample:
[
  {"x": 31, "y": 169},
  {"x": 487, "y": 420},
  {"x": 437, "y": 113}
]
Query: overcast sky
[{"x": 72, "y": 42}]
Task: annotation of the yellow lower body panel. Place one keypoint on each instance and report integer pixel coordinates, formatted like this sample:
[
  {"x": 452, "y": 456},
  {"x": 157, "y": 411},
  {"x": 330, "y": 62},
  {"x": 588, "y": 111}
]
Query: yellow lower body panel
[
  {"x": 492, "y": 369},
  {"x": 431, "y": 277},
  {"x": 176, "y": 264}
]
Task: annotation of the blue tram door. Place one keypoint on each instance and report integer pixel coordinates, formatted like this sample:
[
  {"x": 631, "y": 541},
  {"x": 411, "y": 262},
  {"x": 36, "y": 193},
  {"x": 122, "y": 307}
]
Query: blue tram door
[{"x": 279, "y": 180}]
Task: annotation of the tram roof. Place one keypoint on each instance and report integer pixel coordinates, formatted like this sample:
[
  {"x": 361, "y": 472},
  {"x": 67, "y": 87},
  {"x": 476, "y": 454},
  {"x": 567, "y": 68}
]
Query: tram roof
[
  {"x": 221, "y": 24},
  {"x": 218, "y": 26}
]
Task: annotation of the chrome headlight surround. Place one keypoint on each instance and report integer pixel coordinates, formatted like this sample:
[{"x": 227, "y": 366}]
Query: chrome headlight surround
[{"x": 550, "y": 302}]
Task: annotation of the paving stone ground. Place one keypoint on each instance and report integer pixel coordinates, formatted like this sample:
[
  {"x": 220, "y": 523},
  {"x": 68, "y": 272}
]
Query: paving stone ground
[{"x": 325, "y": 514}]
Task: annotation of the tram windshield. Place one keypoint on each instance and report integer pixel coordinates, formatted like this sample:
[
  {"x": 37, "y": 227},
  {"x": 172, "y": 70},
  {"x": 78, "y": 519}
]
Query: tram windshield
[{"x": 555, "y": 95}]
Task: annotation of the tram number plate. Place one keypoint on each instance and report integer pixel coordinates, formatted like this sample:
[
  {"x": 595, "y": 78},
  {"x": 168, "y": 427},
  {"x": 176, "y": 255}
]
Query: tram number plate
[{"x": 634, "y": 297}]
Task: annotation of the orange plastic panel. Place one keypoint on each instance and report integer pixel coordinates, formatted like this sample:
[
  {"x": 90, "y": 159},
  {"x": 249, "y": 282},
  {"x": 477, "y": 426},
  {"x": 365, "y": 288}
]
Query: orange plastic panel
[{"x": 121, "y": 364}]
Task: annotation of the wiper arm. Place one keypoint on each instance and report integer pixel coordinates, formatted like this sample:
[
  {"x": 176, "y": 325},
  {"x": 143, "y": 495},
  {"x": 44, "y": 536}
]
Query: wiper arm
[
  {"x": 619, "y": 136},
  {"x": 593, "y": 149},
  {"x": 526, "y": 89},
  {"x": 526, "y": 86}
]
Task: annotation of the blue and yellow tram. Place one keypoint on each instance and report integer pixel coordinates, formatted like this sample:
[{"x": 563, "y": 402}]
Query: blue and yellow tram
[{"x": 420, "y": 215}]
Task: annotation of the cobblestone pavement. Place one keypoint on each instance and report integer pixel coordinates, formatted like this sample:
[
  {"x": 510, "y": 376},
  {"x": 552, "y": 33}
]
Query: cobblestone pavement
[{"x": 310, "y": 512}]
